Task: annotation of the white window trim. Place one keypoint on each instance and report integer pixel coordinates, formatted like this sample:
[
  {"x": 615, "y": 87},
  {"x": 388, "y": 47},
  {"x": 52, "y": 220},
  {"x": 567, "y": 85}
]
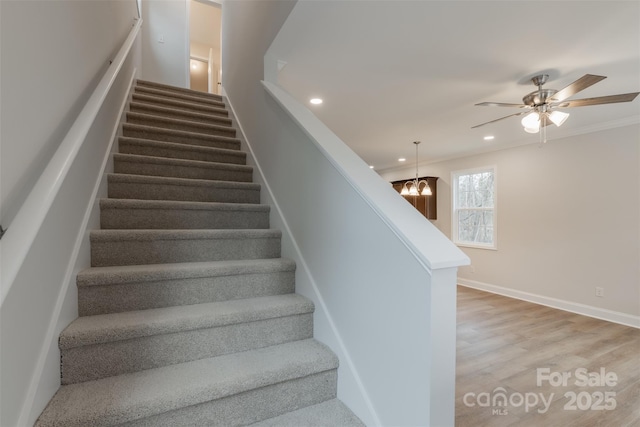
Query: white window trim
[{"x": 454, "y": 212}]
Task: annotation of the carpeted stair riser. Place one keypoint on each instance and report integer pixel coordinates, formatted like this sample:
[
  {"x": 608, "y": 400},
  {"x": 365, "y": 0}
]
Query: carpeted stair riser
[
  {"x": 181, "y": 105},
  {"x": 152, "y": 214},
  {"x": 253, "y": 405},
  {"x": 237, "y": 389},
  {"x": 157, "y": 110},
  {"x": 173, "y": 89},
  {"x": 131, "y": 247},
  {"x": 114, "y": 344},
  {"x": 179, "y": 97},
  {"x": 147, "y": 147},
  {"x": 181, "y": 168},
  {"x": 117, "y": 289},
  {"x": 332, "y": 413},
  {"x": 94, "y": 362},
  {"x": 142, "y": 187},
  {"x": 181, "y": 125},
  {"x": 179, "y": 137}
]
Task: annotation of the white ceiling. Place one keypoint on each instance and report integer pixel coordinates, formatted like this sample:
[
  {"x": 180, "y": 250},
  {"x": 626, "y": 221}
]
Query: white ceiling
[{"x": 391, "y": 72}]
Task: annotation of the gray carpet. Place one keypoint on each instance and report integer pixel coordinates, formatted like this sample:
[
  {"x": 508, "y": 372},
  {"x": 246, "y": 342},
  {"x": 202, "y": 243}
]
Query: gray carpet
[{"x": 188, "y": 313}]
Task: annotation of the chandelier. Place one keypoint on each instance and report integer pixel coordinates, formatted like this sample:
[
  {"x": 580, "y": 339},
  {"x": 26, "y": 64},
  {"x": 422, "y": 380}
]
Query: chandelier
[{"x": 412, "y": 188}]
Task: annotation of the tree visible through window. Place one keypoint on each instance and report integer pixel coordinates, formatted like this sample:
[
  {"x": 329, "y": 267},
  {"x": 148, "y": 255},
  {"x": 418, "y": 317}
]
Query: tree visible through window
[{"x": 474, "y": 221}]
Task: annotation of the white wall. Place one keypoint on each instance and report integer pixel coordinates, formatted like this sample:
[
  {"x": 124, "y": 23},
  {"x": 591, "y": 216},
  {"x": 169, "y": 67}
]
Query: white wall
[
  {"x": 76, "y": 39},
  {"x": 168, "y": 61},
  {"x": 53, "y": 54},
  {"x": 568, "y": 221}
]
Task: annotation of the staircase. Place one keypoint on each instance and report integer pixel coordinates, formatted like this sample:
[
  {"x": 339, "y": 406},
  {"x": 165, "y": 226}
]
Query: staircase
[{"x": 188, "y": 315}]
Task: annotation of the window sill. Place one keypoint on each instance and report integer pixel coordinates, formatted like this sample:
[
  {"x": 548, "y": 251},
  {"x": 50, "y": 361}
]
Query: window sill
[{"x": 471, "y": 245}]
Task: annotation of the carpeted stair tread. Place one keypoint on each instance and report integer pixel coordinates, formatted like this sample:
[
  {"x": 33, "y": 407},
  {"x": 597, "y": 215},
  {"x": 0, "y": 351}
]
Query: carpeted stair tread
[
  {"x": 136, "y": 164},
  {"x": 128, "y": 247},
  {"x": 168, "y": 88},
  {"x": 180, "y": 124},
  {"x": 99, "y": 276},
  {"x": 142, "y": 179},
  {"x": 104, "y": 328},
  {"x": 164, "y": 235},
  {"x": 127, "y": 186},
  {"x": 142, "y": 158},
  {"x": 331, "y": 413},
  {"x": 101, "y": 346},
  {"x": 175, "y": 204},
  {"x": 179, "y": 136},
  {"x": 163, "y": 214},
  {"x": 165, "y": 111},
  {"x": 130, "y": 397},
  {"x": 179, "y": 104},
  {"x": 149, "y": 147},
  {"x": 179, "y": 96},
  {"x": 115, "y": 289}
]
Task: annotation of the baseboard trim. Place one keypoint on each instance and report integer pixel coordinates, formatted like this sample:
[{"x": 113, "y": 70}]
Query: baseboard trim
[{"x": 573, "y": 307}]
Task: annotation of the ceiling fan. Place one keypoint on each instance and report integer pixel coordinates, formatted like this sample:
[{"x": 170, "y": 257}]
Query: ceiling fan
[{"x": 541, "y": 105}]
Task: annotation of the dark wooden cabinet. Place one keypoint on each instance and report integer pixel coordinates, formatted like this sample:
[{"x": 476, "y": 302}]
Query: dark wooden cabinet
[{"x": 427, "y": 205}]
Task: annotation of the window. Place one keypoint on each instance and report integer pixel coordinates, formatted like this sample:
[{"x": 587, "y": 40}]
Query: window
[{"x": 474, "y": 205}]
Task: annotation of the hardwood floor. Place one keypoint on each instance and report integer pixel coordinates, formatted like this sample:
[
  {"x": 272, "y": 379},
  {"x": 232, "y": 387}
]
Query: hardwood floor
[{"x": 502, "y": 342}]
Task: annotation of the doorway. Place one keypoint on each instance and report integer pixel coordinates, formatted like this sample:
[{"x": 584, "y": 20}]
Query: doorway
[{"x": 205, "y": 21}]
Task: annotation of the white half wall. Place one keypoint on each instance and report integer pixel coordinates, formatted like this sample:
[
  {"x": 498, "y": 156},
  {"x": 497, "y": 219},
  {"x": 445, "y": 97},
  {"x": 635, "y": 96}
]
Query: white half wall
[
  {"x": 385, "y": 301},
  {"x": 568, "y": 222}
]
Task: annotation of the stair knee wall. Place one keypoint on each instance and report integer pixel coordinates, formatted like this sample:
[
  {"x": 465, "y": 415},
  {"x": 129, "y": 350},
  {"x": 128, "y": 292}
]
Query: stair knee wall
[{"x": 59, "y": 251}]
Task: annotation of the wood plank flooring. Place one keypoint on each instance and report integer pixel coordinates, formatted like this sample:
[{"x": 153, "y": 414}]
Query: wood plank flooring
[{"x": 501, "y": 344}]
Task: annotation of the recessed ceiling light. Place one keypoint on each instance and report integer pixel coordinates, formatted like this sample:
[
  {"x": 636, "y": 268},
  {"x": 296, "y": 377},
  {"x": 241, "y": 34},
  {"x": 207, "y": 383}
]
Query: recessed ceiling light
[
  {"x": 489, "y": 137},
  {"x": 370, "y": 166},
  {"x": 402, "y": 159},
  {"x": 315, "y": 101}
]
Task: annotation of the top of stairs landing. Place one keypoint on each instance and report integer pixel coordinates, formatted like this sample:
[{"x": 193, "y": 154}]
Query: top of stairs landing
[{"x": 178, "y": 90}]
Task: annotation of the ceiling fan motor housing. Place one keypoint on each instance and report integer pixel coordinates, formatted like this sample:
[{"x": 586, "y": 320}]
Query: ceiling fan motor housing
[{"x": 538, "y": 97}]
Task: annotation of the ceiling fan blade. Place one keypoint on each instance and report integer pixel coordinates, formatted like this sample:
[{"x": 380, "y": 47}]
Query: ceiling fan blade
[
  {"x": 501, "y": 104},
  {"x": 575, "y": 87},
  {"x": 501, "y": 118},
  {"x": 611, "y": 99}
]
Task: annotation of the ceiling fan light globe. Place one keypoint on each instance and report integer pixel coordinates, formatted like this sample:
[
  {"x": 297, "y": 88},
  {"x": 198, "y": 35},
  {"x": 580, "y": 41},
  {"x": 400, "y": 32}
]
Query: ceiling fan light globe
[
  {"x": 558, "y": 117},
  {"x": 531, "y": 120},
  {"x": 532, "y": 130}
]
